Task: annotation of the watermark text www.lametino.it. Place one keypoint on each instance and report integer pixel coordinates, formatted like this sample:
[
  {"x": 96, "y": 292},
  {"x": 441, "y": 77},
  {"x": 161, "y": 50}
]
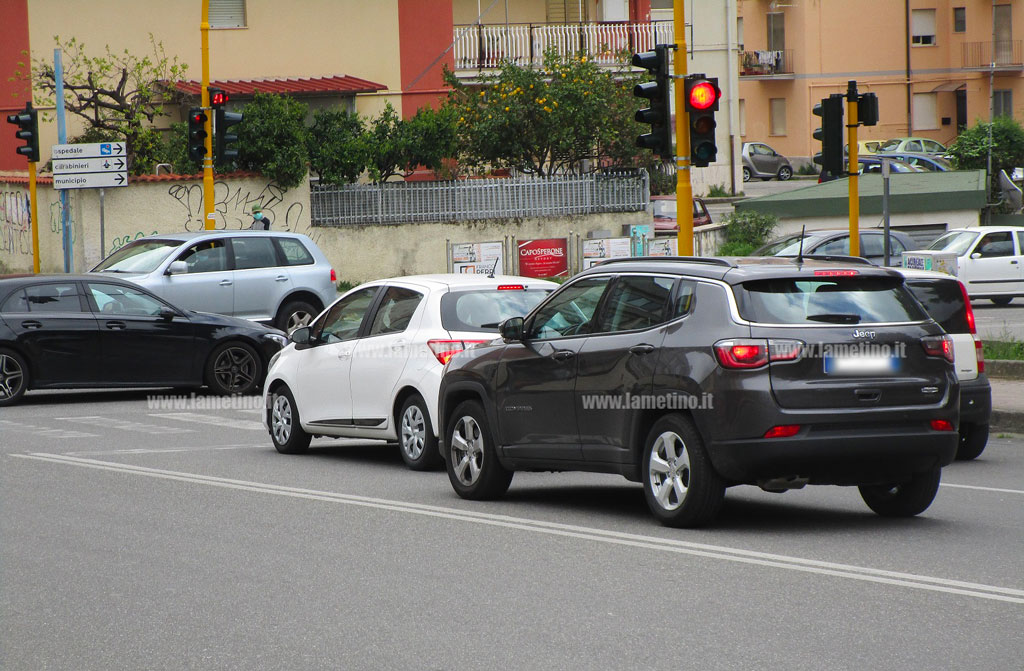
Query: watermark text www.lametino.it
[
  {"x": 201, "y": 402},
  {"x": 667, "y": 401}
]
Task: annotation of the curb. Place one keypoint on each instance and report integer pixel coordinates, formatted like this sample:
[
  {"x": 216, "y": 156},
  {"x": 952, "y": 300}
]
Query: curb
[
  {"x": 1006, "y": 369},
  {"x": 1007, "y": 421}
]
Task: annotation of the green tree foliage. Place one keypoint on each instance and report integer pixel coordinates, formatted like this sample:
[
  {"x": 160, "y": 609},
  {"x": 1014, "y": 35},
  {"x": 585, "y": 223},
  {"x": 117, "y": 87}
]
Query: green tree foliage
[
  {"x": 397, "y": 146},
  {"x": 118, "y": 94},
  {"x": 970, "y": 149},
  {"x": 746, "y": 231},
  {"x": 338, "y": 149},
  {"x": 272, "y": 138}
]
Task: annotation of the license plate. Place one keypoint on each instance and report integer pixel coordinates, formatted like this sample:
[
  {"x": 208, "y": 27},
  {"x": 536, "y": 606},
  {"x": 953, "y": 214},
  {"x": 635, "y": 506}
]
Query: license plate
[{"x": 861, "y": 365}]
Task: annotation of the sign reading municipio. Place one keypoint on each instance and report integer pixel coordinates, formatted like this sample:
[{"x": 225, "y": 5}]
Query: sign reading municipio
[{"x": 89, "y": 166}]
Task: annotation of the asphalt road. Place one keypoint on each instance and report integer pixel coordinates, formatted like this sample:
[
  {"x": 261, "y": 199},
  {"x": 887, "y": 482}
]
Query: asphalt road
[
  {"x": 134, "y": 536},
  {"x": 999, "y": 323}
]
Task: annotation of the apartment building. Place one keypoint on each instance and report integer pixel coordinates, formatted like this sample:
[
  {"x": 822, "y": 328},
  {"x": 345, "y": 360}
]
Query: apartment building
[{"x": 937, "y": 66}]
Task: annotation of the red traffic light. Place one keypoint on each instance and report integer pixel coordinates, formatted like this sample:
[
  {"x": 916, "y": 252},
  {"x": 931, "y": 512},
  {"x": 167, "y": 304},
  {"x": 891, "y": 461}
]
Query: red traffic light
[
  {"x": 198, "y": 117},
  {"x": 703, "y": 95},
  {"x": 219, "y": 98}
]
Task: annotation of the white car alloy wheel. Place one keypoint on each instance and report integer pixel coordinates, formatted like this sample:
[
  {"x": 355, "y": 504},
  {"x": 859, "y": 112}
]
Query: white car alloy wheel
[
  {"x": 669, "y": 476},
  {"x": 281, "y": 419},
  {"x": 414, "y": 432},
  {"x": 467, "y": 450}
]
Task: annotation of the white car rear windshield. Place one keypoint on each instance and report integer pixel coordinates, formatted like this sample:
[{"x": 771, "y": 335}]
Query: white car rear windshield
[{"x": 483, "y": 309}]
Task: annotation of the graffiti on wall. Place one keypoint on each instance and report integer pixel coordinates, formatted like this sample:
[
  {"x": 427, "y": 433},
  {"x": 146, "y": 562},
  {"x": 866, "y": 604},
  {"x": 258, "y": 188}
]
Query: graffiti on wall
[
  {"x": 15, "y": 223},
  {"x": 232, "y": 207}
]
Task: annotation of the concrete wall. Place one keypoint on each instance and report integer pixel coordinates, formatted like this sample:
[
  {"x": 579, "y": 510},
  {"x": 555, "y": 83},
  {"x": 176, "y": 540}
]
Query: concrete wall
[
  {"x": 949, "y": 218},
  {"x": 170, "y": 205}
]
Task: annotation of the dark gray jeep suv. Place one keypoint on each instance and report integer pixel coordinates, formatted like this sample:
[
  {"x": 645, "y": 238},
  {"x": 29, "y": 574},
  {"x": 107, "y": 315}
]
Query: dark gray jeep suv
[{"x": 691, "y": 375}]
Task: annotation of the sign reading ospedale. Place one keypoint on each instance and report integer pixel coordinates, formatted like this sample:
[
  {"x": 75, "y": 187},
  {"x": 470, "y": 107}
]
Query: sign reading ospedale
[{"x": 544, "y": 258}]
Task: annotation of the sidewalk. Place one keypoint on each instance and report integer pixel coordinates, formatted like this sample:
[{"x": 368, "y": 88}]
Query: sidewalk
[{"x": 1007, "y": 405}]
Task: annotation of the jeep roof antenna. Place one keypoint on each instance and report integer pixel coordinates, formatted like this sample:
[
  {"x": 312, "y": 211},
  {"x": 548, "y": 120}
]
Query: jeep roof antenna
[{"x": 800, "y": 252}]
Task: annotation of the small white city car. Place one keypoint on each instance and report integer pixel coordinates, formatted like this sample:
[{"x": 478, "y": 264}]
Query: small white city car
[
  {"x": 989, "y": 260},
  {"x": 369, "y": 366}
]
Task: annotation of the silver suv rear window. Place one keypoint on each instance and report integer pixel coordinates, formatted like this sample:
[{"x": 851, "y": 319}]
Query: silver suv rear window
[
  {"x": 828, "y": 300},
  {"x": 483, "y": 309}
]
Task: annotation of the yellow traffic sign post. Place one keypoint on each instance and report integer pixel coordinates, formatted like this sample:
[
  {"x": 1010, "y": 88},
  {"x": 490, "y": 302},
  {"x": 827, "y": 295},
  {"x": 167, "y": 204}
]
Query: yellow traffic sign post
[
  {"x": 204, "y": 30},
  {"x": 684, "y": 189},
  {"x": 853, "y": 168}
]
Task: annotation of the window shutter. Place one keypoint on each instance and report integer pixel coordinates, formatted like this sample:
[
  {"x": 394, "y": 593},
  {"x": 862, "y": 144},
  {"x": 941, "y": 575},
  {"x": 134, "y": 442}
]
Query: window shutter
[
  {"x": 922, "y": 22},
  {"x": 227, "y": 14}
]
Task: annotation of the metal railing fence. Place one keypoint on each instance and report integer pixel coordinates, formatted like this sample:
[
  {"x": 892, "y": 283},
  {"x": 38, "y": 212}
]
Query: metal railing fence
[
  {"x": 474, "y": 199},
  {"x": 1004, "y": 53}
]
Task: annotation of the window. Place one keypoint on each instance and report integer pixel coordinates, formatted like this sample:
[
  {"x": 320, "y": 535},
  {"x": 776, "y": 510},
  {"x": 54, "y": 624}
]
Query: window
[
  {"x": 739, "y": 32},
  {"x": 293, "y": 251},
  {"x": 743, "y": 117},
  {"x": 933, "y": 147},
  {"x": 395, "y": 311},
  {"x": 922, "y": 27},
  {"x": 227, "y": 14},
  {"x": 1002, "y": 103},
  {"x": 776, "y": 22},
  {"x": 837, "y": 247},
  {"x": 483, "y": 309},
  {"x": 915, "y": 145},
  {"x": 207, "y": 256},
  {"x": 253, "y": 253},
  {"x": 1002, "y": 33},
  {"x": 925, "y": 116},
  {"x": 1020, "y": 243},
  {"x": 47, "y": 298},
  {"x": 115, "y": 299},
  {"x": 635, "y": 302},
  {"x": 777, "y": 114},
  {"x": 959, "y": 19},
  {"x": 845, "y": 300},
  {"x": 943, "y": 301},
  {"x": 343, "y": 320},
  {"x": 568, "y": 11},
  {"x": 995, "y": 245},
  {"x": 871, "y": 244},
  {"x": 569, "y": 312}
]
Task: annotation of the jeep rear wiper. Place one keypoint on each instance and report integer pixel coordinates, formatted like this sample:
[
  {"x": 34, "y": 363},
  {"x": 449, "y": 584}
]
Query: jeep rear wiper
[{"x": 835, "y": 318}]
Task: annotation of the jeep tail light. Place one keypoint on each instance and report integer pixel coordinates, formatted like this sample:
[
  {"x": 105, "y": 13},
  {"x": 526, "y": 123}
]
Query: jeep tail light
[
  {"x": 979, "y": 354},
  {"x": 444, "y": 350},
  {"x": 941, "y": 425},
  {"x": 967, "y": 306},
  {"x": 782, "y": 431},
  {"x": 751, "y": 353},
  {"x": 334, "y": 277},
  {"x": 938, "y": 346}
]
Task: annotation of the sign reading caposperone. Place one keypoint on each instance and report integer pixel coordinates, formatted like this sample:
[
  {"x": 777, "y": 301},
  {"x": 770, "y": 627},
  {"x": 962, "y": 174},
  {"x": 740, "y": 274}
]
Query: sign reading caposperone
[{"x": 544, "y": 258}]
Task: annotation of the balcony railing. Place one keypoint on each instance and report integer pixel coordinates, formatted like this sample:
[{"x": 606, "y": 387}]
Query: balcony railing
[
  {"x": 766, "y": 62},
  {"x": 478, "y": 46},
  {"x": 1002, "y": 54}
]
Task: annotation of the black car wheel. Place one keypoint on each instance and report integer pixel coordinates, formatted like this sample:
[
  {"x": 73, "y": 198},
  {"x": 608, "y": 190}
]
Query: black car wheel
[
  {"x": 416, "y": 440},
  {"x": 785, "y": 172},
  {"x": 13, "y": 377},
  {"x": 1002, "y": 300},
  {"x": 472, "y": 462},
  {"x": 746, "y": 174},
  {"x": 295, "y": 314},
  {"x": 681, "y": 486},
  {"x": 973, "y": 438},
  {"x": 233, "y": 368},
  {"x": 285, "y": 430},
  {"x": 905, "y": 499}
]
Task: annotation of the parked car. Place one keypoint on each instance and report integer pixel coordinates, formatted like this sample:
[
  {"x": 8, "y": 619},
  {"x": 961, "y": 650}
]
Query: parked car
[
  {"x": 927, "y": 162},
  {"x": 945, "y": 299},
  {"x": 68, "y": 331},
  {"x": 919, "y": 145},
  {"x": 873, "y": 164},
  {"x": 665, "y": 222},
  {"x": 267, "y": 276},
  {"x": 694, "y": 375},
  {"x": 864, "y": 147},
  {"x": 369, "y": 366},
  {"x": 989, "y": 260},
  {"x": 760, "y": 160},
  {"x": 836, "y": 242}
]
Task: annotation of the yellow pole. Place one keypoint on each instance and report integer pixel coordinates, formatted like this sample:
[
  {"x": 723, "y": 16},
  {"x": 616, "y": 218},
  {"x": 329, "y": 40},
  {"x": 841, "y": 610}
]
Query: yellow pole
[
  {"x": 684, "y": 190},
  {"x": 853, "y": 167},
  {"x": 204, "y": 29},
  {"x": 33, "y": 213}
]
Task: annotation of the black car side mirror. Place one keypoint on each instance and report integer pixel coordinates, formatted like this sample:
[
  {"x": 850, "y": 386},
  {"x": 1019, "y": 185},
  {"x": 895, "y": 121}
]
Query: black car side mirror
[
  {"x": 512, "y": 329},
  {"x": 167, "y": 314},
  {"x": 300, "y": 336}
]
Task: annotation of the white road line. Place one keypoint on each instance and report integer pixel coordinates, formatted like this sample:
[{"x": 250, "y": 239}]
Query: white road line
[
  {"x": 214, "y": 420},
  {"x": 984, "y": 489},
  {"x": 125, "y": 425},
  {"x": 161, "y": 450},
  {"x": 46, "y": 432},
  {"x": 863, "y": 573}
]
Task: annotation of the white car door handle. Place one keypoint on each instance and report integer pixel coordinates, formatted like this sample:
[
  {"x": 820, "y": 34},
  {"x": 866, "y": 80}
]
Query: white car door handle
[
  {"x": 281, "y": 278},
  {"x": 225, "y": 283},
  {"x": 344, "y": 353}
]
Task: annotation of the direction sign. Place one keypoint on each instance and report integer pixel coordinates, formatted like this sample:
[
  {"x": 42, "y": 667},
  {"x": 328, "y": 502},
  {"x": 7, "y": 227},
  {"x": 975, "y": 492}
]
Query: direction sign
[{"x": 89, "y": 166}]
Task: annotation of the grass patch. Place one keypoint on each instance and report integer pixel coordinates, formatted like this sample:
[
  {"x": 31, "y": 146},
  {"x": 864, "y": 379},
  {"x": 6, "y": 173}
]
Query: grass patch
[
  {"x": 1000, "y": 349},
  {"x": 718, "y": 191},
  {"x": 806, "y": 169},
  {"x": 345, "y": 285}
]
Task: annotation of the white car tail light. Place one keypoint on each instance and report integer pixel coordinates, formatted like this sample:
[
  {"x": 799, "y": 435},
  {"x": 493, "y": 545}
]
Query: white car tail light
[{"x": 444, "y": 350}]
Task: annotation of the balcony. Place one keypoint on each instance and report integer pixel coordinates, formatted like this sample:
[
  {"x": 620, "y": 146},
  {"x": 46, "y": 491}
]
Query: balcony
[
  {"x": 1003, "y": 55},
  {"x": 766, "y": 64},
  {"x": 479, "y": 47}
]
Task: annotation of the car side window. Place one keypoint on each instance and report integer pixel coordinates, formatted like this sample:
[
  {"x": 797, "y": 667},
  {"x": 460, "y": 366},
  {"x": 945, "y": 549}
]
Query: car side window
[
  {"x": 635, "y": 302},
  {"x": 253, "y": 252},
  {"x": 895, "y": 246},
  {"x": 294, "y": 252},
  {"x": 914, "y": 145},
  {"x": 45, "y": 298},
  {"x": 1020, "y": 243},
  {"x": 933, "y": 147},
  {"x": 343, "y": 320},
  {"x": 208, "y": 256},
  {"x": 395, "y": 311},
  {"x": 871, "y": 244},
  {"x": 570, "y": 310},
  {"x": 683, "y": 300},
  {"x": 114, "y": 299},
  {"x": 995, "y": 244},
  {"x": 837, "y": 247}
]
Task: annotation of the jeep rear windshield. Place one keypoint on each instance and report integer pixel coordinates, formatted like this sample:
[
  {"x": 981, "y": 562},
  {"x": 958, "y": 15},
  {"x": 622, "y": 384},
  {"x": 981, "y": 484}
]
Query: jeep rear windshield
[
  {"x": 483, "y": 309},
  {"x": 828, "y": 300}
]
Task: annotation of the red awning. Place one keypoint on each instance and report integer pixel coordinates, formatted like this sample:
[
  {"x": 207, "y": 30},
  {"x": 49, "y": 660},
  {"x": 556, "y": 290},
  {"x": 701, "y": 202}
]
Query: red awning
[{"x": 316, "y": 85}]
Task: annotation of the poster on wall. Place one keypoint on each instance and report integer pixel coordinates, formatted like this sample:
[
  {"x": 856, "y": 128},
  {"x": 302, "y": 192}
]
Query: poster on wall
[
  {"x": 481, "y": 258},
  {"x": 544, "y": 258},
  {"x": 597, "y": 250},
  {"x": 663, "y": 246}
]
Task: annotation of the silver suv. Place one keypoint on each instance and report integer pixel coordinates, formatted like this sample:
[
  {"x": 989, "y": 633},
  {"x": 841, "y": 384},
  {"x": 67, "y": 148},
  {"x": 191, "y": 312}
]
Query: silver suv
[{"x": 266, "y": 276}]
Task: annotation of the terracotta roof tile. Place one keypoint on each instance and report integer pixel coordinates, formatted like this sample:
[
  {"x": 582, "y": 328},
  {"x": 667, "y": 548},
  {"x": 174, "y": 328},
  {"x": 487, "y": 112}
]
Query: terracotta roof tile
[{"x": 335, "y": 84}]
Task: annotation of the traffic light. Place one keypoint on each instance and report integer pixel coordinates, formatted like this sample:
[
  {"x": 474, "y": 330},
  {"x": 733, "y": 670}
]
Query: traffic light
[
  {"x": 28, "y": 130},
  {"x": 700, "y": 95},
  {"x": 659, "y": 93},
  {"x": 867, "y": 109},
  {"x": 196, "y": 134},
  {"x": 830, "y": 158},
  {"x": 218, "y": 98},
  {"x": 223, "y": 150}
]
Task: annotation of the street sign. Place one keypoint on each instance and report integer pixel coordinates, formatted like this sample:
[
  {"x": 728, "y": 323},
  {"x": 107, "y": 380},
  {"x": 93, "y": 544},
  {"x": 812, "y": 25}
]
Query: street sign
[{"x": 89, "y": 166}]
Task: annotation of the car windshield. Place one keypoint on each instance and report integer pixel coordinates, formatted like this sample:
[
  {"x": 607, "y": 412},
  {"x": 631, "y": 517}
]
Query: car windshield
[
  {"x": 790, "y": 246},
  {"x": 829, "y": 300},
  {"x": 483, "y": 309},
  {"x": 141, "y": 256},
  {"x": 956, "y": 242}
]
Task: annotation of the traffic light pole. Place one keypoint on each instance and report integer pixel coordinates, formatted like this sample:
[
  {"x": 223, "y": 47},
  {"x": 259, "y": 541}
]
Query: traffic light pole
[
  {"x": 853, "y": 168},
  {"x": 204, "y": 29},
  {"x": 684, "y": 189},
  {"x": 34, "y": 214}
]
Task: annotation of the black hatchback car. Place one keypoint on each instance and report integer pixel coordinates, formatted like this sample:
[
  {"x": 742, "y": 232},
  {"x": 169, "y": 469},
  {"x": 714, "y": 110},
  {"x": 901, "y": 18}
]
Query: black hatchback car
[
  {"x": 68, "y": 331},
  {"x": 692, "y": 375}
]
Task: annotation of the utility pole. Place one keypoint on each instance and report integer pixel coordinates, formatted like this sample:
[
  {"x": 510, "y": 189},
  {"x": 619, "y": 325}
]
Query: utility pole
[{"x": 684, "y": 189}]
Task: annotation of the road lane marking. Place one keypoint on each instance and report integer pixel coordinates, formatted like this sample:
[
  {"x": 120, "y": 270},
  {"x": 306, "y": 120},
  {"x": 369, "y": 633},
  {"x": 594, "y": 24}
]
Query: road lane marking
[
  {"x": 214, "y": 420},
  {"x": 984, "y": 489},
  {"x": 160, "y": 450},
  {"x": 125, "y": 425},
  {"x": 45, "y": 432},
  {"x": 863, "y": 573}
]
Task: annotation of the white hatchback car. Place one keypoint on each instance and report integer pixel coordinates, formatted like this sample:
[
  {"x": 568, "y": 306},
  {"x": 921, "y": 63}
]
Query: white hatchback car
[
  {"x": 990, "y": 260},
  {"x": 370, "y": 365}
]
